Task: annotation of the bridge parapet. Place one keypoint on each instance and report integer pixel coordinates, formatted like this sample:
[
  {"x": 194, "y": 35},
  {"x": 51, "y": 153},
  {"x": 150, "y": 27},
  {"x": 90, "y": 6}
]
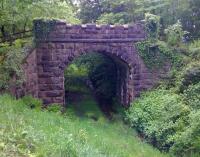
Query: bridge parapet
[{"x": 64, "y": 32}]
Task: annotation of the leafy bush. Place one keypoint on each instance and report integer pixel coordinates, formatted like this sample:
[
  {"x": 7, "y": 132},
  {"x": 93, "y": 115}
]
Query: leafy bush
[
  {"x": 187, "y": 143},
  {"x": 175, "y": 34},
  {"x": 159, "y": 115},
  {"x": 152, "y": 23},
  {"x": 111, "y": 18},
  {"x": 194, "y": 44},
  {"x": 156, "y": 55},
  {"x": 151, "y": 55},
  {"x": 32, "y": 102},
  {"x": 57, "y": 108},
  {"x": 195, "y": 53},
  {"x": 192, "y": 96},
  {"x": 11, "y": 62},
  {"x": 171, "y": 54},
  {"x": 169, "y": 121},
  {"x": 189, "y": 76},
  {"x": 194, "y": 48}
]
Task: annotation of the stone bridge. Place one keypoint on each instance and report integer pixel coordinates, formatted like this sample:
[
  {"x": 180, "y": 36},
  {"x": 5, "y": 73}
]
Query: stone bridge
[{"x": 44, "y": 66}]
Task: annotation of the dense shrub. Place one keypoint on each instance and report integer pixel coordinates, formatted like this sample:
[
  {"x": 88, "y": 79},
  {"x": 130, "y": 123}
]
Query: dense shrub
[
  {"x": 187, "y": 143},
  {"x": 159, "y": 115},
  {"x": 194, "y": 48},
  {"x": 156, "y": 55},
  {"x": 195, "y": 53},
  {"x": 111, "y": 18},
  {"x": 175, "y": 34},
  {"x": 169, "y": 121},
  {"x": 32, "y": 102},
  {"x": 192, "y": 96},
  {"x": 11, "y": 57},
  {"x": 189, "y": 76},
  {"x": 57, "y": 108},
  {"x": 152, "y": 23},
  {"x": 151, "y": 55}
]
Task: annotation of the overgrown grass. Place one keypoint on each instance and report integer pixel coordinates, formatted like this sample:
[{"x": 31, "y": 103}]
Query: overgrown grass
[
  {"x": 26, "y": 132},
  {"x": 87, "y": 107}
]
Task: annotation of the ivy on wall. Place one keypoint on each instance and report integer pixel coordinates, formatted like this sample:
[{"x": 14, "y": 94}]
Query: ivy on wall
[
  {"x": 152, "y": 25},
  {"x": 42, "y": 29},
  {"x": 150, "y": 55},
  {"x": 156, "y": 53},
  {"x": 155, "y": 56}
]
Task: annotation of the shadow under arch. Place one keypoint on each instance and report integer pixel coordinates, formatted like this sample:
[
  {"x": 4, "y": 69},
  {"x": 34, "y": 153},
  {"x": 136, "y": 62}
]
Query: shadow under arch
[{"x": 125, "y": 71}]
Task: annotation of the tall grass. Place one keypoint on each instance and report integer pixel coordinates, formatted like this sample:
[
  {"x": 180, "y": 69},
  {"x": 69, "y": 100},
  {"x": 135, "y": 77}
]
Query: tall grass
[{"x": 33, "y": 133}]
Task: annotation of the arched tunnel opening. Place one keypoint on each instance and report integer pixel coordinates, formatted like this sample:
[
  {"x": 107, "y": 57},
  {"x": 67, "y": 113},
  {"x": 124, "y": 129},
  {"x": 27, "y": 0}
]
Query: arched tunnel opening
[{"x": 96, "y": 80}]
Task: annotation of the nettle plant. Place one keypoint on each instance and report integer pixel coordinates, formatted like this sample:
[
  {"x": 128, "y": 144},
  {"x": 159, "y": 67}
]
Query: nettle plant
[
  {"x": 175, "y": 34},
  {"x": 152, "y": 24}
]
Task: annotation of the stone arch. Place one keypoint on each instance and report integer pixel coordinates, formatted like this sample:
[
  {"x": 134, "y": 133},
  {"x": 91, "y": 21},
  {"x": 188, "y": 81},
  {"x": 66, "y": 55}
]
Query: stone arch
[
  {"x": 124, "y": 93},
  {"x": 45, "y": 65}
]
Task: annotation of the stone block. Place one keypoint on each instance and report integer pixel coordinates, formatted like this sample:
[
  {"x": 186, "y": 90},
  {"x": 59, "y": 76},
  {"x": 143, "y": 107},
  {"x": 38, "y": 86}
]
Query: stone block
[
  {"x": 44, "y": 69},
  {"x": 54, "y": 93}
]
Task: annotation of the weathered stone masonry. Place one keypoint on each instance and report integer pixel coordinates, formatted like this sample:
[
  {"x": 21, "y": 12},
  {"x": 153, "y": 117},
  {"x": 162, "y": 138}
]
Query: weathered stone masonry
[{"x": 45, "y": 65}]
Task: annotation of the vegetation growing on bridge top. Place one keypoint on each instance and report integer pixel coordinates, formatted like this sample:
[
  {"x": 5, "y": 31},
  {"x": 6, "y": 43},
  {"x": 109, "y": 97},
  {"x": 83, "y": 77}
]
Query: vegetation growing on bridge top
[
  {"x": 42, "y": 29},
  {"x": 154, "y": 51}
]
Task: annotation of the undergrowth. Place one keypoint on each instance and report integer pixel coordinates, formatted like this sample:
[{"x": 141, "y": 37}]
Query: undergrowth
[
  {"x": 29, "y": 132},
  {"x": 168, "y": 116}
]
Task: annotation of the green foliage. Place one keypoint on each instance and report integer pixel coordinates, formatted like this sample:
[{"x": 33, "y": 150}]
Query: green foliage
[
  {"x": 89, "y": 11},
  {"x": 26, "y": 132},
  {"x": 4, "y": 47},
  {"x": 189, "y": 76},
  {"x": 85, "y": 107},
  {"x": 19, "y": 18},
  {"x": 194, "y": 48},
  {"x": 77, "y": 70},
  {"x": 152, "y": 56},
  {"x": 32, "y": 102},
  {"x": 175, "y": 34},
  {"x": 152, "y": 24},
  {"x": 11, "y": 63},
  {"x": 96, "y": 68},
  {"x": 159, "y": 115},
  {"x": 170, "y": 11},
  {"x": 192, "y": 96},
  {"x": 170, "y": 120},
  {"x": 111, "y": 18},
  {"x": 106, "y": 11},
  {"x": 187, "y": 143},
  {"x": 76, "y": 76},
  {"x": 57, "y": 108},
  {"x": 42, "y": 28},
  {"x": 194, "y": 44},
  {"x": 158, "y": 54}
]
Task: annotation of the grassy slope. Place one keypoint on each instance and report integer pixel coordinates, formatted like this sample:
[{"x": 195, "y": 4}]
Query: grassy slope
[{"x": 26, "y": 132}]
